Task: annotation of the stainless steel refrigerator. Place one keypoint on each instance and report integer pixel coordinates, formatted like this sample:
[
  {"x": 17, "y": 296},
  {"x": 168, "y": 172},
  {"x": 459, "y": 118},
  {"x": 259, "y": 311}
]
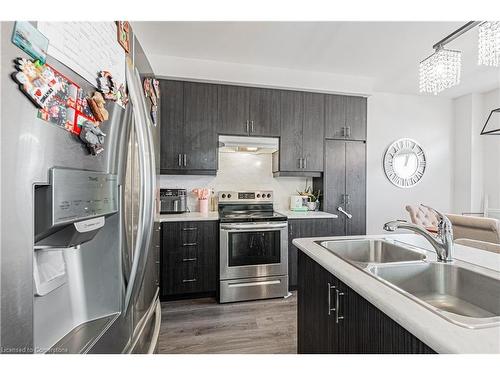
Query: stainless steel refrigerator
[{"x": 85, "y": 282}]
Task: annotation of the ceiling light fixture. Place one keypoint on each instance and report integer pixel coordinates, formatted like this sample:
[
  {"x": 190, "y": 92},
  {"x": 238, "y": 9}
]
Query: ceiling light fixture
[
  {"x": 489, "y": 43},
  {"x": 484, "y": 131},
  {"x": 441, "y": 70}
]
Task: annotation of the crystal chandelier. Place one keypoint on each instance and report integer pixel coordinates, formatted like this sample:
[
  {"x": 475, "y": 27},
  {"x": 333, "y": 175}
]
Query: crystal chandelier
[
  {"x": 440, "y": 71},
  {"x": 489, "y": 43}
]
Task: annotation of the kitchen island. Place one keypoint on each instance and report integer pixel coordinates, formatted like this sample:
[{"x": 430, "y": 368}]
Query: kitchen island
[{"x": 418, "y": 329}]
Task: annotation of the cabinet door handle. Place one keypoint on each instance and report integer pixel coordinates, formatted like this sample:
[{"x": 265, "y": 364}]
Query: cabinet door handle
[
  {"x": 189, "y": 228},
  {"x": 189, "y": 280},
  {"x": 348, "y": 132},
  {"x": 251, "y": 129},
  {"x": 248, "y": 130},
  {"x": 190, "y": 244},
  {"x": 330, "y": 308},
  {"x": 338, "y": 317},
  {"x": 179, "y": 160},
  {"x": 343, "y": 131},
  {"x": 340, "y": 209},
  {"x": 304, "y": 163},
  {"x": 185, "y": 160},
  {"x": 189, "y": 259}
]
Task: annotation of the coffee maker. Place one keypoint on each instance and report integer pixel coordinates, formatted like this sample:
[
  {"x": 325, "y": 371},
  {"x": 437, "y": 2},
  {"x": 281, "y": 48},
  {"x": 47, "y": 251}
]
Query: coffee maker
[{"x": 173, "y": 201}]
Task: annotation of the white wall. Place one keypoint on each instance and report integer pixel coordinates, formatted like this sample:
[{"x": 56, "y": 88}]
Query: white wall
[
  {"x": 240, "y": 171},
  {"x": 461, "y": 190},
  {"x": 424, "y": 119},
  {"x": 254, "y": 75},
  {"x": 491, "y": 150},
  {"x": 476, "y": 176},
  {"x": 467, "y": 154}
]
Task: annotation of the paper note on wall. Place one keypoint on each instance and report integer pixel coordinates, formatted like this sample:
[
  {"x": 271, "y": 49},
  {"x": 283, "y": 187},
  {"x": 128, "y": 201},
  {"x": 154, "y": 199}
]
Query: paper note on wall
[{"x": 86, "y": 48}]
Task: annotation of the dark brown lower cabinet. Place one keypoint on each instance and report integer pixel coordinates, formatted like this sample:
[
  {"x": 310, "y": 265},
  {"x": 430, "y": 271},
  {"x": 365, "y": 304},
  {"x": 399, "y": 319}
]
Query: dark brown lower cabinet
[
  {"x": 189, "y": 258},
  {"x": 332, "y": 318},
  {"x": 301, "y": 228}
]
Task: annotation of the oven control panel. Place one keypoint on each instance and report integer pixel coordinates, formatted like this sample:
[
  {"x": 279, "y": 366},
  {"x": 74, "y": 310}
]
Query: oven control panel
[{"x": 246, "y": 196}]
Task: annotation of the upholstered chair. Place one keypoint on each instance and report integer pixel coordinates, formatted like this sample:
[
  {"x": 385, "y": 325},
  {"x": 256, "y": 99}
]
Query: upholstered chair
[
  {"x": 486, "y": 246},
  {"x": 422, "y": 216},
  {"x": 475, "y": 228}
]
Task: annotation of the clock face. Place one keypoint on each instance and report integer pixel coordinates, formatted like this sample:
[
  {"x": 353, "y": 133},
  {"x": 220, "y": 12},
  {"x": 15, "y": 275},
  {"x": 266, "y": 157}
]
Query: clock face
[{"x": 404, "y": 163}]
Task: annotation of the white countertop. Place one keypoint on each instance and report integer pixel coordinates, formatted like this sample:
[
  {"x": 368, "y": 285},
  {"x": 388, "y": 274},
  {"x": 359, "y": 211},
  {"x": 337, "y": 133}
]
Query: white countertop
[
  {"x": 196, "y": 216},
  {"x": 188, "y": 216},
  {"x": 307, "y": 214},
  {"x": 438, "y": 333}
]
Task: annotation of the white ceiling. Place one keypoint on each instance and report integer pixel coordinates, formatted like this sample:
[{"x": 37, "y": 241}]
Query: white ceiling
[{"x": 387, "y": 52}]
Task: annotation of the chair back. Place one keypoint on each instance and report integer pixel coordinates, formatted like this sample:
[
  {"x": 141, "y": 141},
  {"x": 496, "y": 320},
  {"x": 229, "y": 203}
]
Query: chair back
[
  {"x": 422, "y": 216},
  {"x": 475, "y": 228}
]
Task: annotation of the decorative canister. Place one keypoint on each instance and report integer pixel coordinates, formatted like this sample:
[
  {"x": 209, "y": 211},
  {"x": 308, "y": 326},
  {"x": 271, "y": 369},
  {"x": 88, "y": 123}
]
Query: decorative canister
[{"x": 203, "y": 206}]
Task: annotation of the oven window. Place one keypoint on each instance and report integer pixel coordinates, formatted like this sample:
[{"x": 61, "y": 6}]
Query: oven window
[{"x": 252, "y": 248}]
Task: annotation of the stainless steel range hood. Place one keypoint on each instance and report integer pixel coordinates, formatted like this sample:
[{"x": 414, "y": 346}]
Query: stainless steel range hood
[{"x": 252, "y": 145}]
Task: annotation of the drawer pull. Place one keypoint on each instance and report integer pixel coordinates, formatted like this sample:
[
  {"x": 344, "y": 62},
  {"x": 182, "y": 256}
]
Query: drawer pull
[
  {"x": 188, "y": 280},
  {"x": 330, "y": 308},
  {"x": 187, "y": 229},
  {"x": 190, "y": 244},
  {"x": 254, "y": 283},
  {"x": 338, "y": 317},
  {"x": 190, "y": 259}
]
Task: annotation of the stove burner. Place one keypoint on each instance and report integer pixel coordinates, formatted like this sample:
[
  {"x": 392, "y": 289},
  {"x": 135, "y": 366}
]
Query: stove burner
[{"x": 243, "y": 208}]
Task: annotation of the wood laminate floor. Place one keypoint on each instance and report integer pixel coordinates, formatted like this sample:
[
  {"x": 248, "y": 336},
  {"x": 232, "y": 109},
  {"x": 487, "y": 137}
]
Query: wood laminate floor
[{"x": 204, "y": 326}]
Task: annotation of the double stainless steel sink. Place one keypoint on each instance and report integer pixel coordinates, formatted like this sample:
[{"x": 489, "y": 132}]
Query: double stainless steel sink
[
  {"x": 364, "y": 252},
  {"x": 462, "y": 293}
]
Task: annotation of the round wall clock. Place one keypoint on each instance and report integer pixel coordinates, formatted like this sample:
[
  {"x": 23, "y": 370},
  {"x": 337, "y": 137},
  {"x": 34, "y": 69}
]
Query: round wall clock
[{"x": 404, "y": 163}]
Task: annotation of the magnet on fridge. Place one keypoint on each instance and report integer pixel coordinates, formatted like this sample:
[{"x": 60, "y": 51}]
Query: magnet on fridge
[
  {"x": 154, "y": 111},
  {"x": 107, "y": 85},
  {"x": 156, "y": 87},
  {"x": 38, "y": 82},
  {"x": 123, "y": 34},
  {"x": 93, "y": 137},
  {"x": 146, "y": 84},
  {"x": 96, "y": 104},
  {"x": 122, "y": 96},
  {"x": 30, "y": 40}
]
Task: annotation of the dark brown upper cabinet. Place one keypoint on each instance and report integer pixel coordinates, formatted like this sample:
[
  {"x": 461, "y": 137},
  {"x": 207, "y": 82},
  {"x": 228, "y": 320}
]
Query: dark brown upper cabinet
[
  {"x": 171, "y": 124},
  {"x": 248, "y": 111},
  {"x": 345, "y": 117},
  {"x": 302, "y": 135},
  {"x": 188, "y": 133}
]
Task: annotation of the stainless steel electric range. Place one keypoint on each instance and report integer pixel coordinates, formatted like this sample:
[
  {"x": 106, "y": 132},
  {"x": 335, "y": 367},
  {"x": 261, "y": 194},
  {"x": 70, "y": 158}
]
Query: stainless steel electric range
[{"x": 253, "y": 247}]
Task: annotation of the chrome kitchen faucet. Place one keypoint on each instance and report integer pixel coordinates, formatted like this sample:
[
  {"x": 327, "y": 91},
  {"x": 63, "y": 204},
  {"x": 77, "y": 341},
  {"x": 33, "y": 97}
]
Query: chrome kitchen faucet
[{"x": 442, "y": 243}]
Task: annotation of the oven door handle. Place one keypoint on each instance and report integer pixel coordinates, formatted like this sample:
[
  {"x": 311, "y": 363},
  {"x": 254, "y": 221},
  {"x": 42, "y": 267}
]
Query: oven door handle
[{"x": 252, "y": 226}]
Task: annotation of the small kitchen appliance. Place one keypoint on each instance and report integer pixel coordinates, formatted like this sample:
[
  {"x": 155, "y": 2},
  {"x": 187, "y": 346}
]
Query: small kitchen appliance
[
  {"x": 297, "y": 203},
  {"x": 253, "y": 247},
  {"x": 173, "y": 201}
]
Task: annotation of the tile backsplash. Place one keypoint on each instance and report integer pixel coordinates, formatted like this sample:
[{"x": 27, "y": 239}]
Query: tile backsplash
[{"x": 240, "y": 171}]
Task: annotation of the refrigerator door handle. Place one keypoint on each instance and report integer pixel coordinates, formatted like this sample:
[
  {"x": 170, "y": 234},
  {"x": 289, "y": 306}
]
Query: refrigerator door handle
[{"x": 147, "y": 193}]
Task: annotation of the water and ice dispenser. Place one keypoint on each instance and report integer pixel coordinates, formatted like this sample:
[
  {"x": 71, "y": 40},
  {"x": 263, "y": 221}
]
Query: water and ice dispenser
[{"x": 69, "y": 211}]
